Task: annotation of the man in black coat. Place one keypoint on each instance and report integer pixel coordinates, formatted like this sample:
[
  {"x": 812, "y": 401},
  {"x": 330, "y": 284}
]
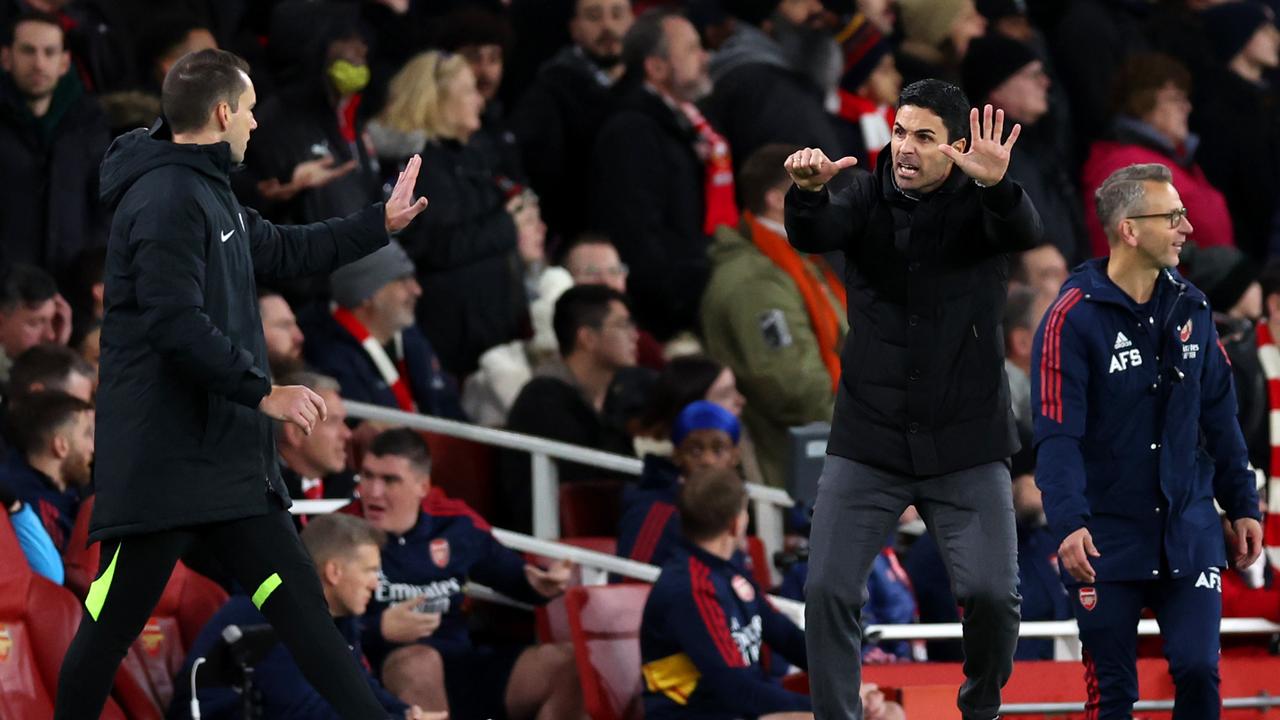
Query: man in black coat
[
  {"x": 767, "y": 75},
  {"x": 648, "y": 179},
  {"x": 922, "y": 412},
  {"x": 52, "y": 138},
  {"x": 559, "y": 115},
  {"x": 185, "y": 406}
]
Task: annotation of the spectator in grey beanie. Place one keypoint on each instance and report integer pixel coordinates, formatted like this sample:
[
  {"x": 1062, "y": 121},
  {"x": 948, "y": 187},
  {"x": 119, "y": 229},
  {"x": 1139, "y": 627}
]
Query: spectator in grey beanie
[{"x": 369, "y": 341}]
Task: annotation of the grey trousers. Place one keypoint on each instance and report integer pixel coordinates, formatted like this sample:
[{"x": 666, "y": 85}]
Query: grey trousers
[{"x": 970, "y": 514}]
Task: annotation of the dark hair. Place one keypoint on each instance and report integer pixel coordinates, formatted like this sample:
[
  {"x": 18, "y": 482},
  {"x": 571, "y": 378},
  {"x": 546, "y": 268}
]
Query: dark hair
[
  {"x": 338, "y": 535},
  {"x": 709, "y": 502},
  {"x": 166, "y": 33},
  {"x": 471, "y": 25},
  {"x": 1135, "y": 86},
  {"x": 25, "y": 285},
  {"x": 1269, "y": 278},
  {"x": 405, "y": 443},
  {"x": 761, "y": 173},
  {"x": 684, "y": 379},
  {"x": 49, "y": 365},
  {"x": 582, "y": 306},
  {"x": 36, "y": 417},
  {"x": 1018, "y": 309},
  {"x": 646, "y": 38},
  {"x": 943, "y": 99},
  {"x": 587, "y": 238},
  {"x": 11, "y": 29},
  {"x": 197, "y": 83}
]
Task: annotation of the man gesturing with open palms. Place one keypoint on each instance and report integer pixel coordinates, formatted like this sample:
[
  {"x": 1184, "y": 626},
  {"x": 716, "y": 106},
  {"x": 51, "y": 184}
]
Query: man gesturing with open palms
[{"x": 922, "y": 412}]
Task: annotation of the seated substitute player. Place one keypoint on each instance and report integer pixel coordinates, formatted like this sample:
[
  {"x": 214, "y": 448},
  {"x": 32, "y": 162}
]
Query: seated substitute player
[
  {"x": 432, "y": 550},
  {"x": 704, "y": 435},
  {"x": 705, "y": 621},
  {"x": 345, "y": 552}
]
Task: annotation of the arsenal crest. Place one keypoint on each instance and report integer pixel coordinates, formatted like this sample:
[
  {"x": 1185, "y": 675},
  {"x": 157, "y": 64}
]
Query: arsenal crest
[
  {"x": 1184, "y": 332},
  {"x": 6, "y": 642},
  {"x": 152, "y": 637},
  {"x": 1088, "y": 598},
  {"x": 440, "y": 552},
  {"x": 742, "y": 588}
]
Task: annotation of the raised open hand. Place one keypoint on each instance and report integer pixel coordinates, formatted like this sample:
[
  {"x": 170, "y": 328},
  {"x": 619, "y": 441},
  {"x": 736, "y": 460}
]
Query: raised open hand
[
  {"x": 811, "y": 169},
  {"x": 401, "y": 208},
  {"x": 987, "y": 158}
]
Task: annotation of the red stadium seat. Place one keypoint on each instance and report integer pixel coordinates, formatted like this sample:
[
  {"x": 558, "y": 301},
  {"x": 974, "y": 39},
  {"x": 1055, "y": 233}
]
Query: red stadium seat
[
  {"x": 464, "y": 470},
  {"x": 552, "y": 619},
  {"x": 605, "y": 623},
  {"x": 144, "y": 684},
  {"x": 37, "y": 622},
  {"x": 759, "y": 562},
  {"x": 591, "y": 507},
  {"x": 188, "y": 602}
]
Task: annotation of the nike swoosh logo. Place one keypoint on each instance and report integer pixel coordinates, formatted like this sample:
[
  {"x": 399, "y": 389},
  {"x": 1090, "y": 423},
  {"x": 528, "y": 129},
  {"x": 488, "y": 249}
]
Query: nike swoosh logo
[{"x": 227, "y": 234}]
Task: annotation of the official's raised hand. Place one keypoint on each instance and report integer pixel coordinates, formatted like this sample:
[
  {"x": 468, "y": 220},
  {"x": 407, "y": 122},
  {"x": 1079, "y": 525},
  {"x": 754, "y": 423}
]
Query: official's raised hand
[
  {"x": 401, "y": 208},
  {"x": 810, "y": 168},
  {"x": 987, "y": 157}
]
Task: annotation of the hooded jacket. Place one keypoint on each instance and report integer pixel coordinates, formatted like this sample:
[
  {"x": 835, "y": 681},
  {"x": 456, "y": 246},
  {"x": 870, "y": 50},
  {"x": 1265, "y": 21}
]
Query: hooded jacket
[
  {"x": 1135, "y": 427},
  {"x": 184, "y": 365}
]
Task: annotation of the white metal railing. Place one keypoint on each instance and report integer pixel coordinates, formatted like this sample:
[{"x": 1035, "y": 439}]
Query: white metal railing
[{"x": 768, "y": 502}]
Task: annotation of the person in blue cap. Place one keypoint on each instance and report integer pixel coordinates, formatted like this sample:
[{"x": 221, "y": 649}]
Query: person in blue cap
[{"x": 705, "y": 435}]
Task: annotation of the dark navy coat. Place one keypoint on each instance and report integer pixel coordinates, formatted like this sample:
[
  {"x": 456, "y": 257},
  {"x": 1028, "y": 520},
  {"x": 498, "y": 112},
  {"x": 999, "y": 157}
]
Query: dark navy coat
[{"x": 1135, "y": 424}]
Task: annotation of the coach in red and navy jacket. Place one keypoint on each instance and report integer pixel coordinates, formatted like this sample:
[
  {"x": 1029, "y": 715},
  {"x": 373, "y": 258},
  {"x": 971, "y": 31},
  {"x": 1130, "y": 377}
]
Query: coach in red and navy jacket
[
  {"x": 705, "y": 621},
  {"x": 1135, "y": 425},
  {"x": 433, "y": 549}
]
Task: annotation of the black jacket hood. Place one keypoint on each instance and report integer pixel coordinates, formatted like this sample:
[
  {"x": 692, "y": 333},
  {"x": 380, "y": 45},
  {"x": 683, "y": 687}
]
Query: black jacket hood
[{"x": 140, "y": 151}]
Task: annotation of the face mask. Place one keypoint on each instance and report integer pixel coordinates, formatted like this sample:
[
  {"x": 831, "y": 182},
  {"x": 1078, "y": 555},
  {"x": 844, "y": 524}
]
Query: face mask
[{"x": 348, "y": 78}]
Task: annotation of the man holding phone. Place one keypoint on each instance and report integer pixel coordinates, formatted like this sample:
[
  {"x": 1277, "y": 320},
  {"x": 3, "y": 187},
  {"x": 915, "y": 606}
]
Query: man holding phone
[{"x": 433, "y": 549}]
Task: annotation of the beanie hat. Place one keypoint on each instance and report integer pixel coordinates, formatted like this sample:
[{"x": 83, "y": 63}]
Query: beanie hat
[
  {"x": 928, "y": 21},
  {"x": 352, "y": 284},
  {"x": 1230, "y": 25},
  {"x": 991, "y": 60},
  {"x": 863, "y": 48},
  {"x": 994, "y": 10},
  {"x": 1222, "y": 272},
  {"x": 704, "y": 415}
]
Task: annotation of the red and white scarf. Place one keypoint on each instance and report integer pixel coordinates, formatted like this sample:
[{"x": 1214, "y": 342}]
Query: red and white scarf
[
  {"x": 393, "y": 372},
  {"x": 713, "y": 149},
  {"x": 1269, "y": 357}
]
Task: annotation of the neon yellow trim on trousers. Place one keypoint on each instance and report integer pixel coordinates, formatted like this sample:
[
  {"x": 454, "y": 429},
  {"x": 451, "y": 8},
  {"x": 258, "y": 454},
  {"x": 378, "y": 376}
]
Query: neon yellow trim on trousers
[
  {"x": 97, "y": 596},
  {"x": 264, "y": 590}
]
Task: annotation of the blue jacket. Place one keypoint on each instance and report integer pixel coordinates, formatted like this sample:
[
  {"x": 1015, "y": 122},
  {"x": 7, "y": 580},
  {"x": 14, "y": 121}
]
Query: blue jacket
[
  {"x": 434, "y": 560},
  {"x": 1135, "y": 425},
  {"x": 1043, "y": 597},
  {"x": 332, "y": 350},
  {"x": 57, "y": 508},
  {"x": 890, "y": 600},
  {"x": 700, "y": 638},
  {"x": 286, "y": 694},
  {"x": 649, "y": 529}
]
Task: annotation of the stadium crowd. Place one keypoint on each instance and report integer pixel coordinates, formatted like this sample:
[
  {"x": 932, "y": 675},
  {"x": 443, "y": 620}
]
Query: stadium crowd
[{"x": 604, "y": 261}]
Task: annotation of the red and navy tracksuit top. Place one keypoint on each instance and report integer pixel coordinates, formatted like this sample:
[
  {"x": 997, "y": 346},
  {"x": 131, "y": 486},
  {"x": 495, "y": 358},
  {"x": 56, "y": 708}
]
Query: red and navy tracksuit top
[
  {"x": 704, "y": 625},
  {"x": 1135, "y": 427},
  {"x": 433, "y": 560},
  {"x": 649, "y": 528}
]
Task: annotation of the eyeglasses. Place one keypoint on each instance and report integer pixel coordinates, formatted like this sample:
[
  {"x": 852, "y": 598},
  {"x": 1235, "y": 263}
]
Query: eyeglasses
[
  {"x": 1175, "y": 217},
  {"x": 595, "y": 271}
]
